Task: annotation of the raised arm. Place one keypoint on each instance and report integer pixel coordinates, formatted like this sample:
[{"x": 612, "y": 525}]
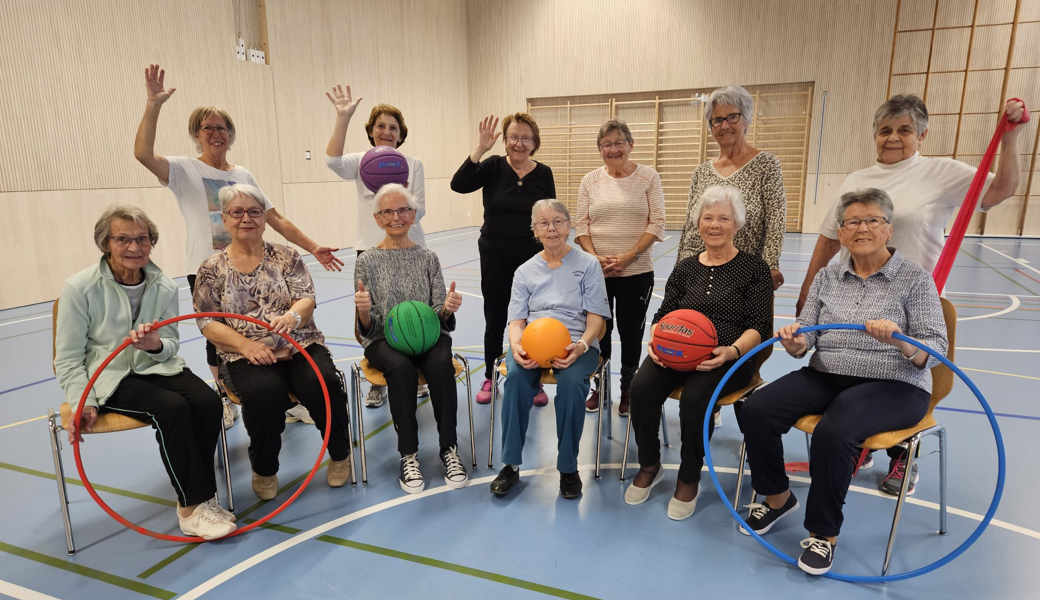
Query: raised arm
[
  {"x": 1006, "y": 180},
  {"x": 345, "y": 106},
  {"x": 291, "y": 232},
  {"x": 472, "y": 175},
  {"x": 144, "y": 143}
]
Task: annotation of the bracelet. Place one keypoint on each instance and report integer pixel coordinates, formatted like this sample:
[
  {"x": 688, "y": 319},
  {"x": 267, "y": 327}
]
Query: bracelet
[
  {"x": 296, "y": 316},
  {"x": 583, "y": 343},
  {"x": 739, "y": 353},
  {"x": 911, "y": 357}
]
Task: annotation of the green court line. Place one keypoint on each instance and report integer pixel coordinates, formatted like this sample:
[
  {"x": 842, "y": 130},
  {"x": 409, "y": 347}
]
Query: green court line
[
  {"x": 97, "y": 486},
  {"x": 454, "y": 568},
  {"x": 152, "y": 570},
  {"x": 57, "y": 563},
  {"x": 997, "y": 271},
  {"x": 274, "y": 527}
]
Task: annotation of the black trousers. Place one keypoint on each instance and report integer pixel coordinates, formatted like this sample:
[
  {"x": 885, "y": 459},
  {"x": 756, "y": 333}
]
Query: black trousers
[
  {"x": 629, "y": 299},
  {"x": 186, "y": 415},
  {"x": 650, "y": 389},
  {"x": 211, "y": 351},
  {"x": 853, "y": 409},
  {"x": 402, "y": 381},
  {"x": 264, "y": 392},
  {"x": 496, "y": 285}
]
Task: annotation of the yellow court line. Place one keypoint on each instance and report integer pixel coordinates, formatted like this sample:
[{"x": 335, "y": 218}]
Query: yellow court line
[
  {"x": 24, "y": 422},
  {"x": 999, "y": 373}
]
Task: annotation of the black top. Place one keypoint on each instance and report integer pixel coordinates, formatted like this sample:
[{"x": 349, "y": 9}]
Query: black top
[
  {"x": 736, "y": 296},
  {"x": 508, "y": 200}
]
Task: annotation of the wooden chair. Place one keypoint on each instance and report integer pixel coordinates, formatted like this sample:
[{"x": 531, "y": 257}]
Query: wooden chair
[
  {"x": 363, "y": 371},
  {"x": 105, "y": 423},
  {"x": 602, "y": 377},
  {"x": 727, "y": 400},
  {"x": 910, "y": 438}
]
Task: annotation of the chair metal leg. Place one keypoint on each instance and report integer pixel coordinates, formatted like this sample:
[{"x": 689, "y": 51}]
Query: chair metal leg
[
  {"x": 808, "y": 448},
  {"x": 604, "y": 390},
  {"x": 494, "y": 393},
  {"x": 624, "y": 456},
  {"x": 355, "y": 373},
  {"x": 599, "y": 422},
  {"x": 350, "y": 426},
  {"x": 53, "y": 429},
  {"x": 740, "y": 475},
  {"x": 664, "y": 429},
  {"x": 469, "y": 402},
  {"x": 225, "y": 464},
  {"x": 910, "y": 460},
  {"x": 941, "y": 434}
]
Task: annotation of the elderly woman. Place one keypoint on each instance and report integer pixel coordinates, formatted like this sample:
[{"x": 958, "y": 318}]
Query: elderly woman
[
  {"x": 566, "y": 284},
  {"x": 734, "y": 290},
  {"x": 394, "y": 271},
  {"x": 925, "y": 193},
  {"x": 268, "y": 282},
  {"x": 755, "y": 173},
  {"x": 620, "y": 216},
  {"x": 385, "y": 127},
  {"x": 861, "y": 384},
  {"x": 511, "y": 185},
  {"x": 123, "y": 295},
  {"x": 195, "y": 183}
]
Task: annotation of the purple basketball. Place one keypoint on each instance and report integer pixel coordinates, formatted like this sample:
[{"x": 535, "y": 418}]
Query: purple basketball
[{"x": 382, "y": 165}]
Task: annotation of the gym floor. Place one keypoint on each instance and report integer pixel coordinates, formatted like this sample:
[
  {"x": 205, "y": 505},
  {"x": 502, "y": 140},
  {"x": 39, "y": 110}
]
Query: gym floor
[{"x": 376, "y": 541}]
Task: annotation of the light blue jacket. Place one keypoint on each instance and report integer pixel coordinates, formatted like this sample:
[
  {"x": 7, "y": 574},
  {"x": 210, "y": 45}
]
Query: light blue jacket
[{"x": 94, "y": 318}]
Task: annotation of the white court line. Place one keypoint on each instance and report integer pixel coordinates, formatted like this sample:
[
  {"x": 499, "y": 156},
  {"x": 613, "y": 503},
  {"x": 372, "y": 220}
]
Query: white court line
[
  {"x": 959, "y": 348},
  {"x": 1009, "y": 257},
  {"x": 990, "y": 294},
  {"x": 469, "y": 294},
  {"x": 659, "y": 296},
  {"x": 312, "y": 533},
  {"x": 451, "y": 236},
  {"x": 1015, "y": 303},
  {"x": 25, "y": 320},
  {"x": 16, "y": 591}
]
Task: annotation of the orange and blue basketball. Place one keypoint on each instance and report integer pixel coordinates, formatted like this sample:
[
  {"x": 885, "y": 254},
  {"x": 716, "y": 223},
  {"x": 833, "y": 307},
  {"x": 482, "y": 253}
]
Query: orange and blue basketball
[
  {"x": 684, "y": 339},
  {"x": 545, "y": 340},
  {"x": 412, "y": 328},
  {"x": 382, "y": 165}
]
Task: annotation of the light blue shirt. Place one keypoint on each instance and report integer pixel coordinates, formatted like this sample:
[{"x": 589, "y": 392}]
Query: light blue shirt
[{"x": 565, "y": 293}]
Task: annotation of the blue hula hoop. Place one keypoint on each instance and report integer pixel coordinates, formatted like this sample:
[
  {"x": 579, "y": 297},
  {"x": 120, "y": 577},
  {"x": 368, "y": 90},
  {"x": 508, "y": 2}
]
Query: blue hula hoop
[{"x": 1001, "y": 467}]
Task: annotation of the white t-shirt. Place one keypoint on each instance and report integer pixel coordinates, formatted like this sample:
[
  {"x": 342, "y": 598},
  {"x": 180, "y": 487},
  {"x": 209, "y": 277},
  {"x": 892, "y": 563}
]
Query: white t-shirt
[
  {"x": 368, "y": 232},
  {"x": 925, "y": 193},
  {"x": 196, "y": 185}
]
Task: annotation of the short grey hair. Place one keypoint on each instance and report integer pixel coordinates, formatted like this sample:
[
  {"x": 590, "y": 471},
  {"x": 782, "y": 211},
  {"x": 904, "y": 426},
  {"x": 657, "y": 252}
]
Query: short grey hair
[
  {"x": 125, "y": 212},
  {"x": 614, "y": 125},
  {"x": 898, "y": 106},
  {"x": 869, "y": 196},
  {"x": 228, "y": 193},
  {"x": 731, "y": 95},
  {"x": 722, "y": 194},
  {"x": 554, "y": 205},
  {"x": 393, "y": 189}
]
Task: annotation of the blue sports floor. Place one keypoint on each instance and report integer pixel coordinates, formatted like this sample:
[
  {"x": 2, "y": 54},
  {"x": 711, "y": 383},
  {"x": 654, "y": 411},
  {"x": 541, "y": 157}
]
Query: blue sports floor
[{"x": 375, "y": 541}]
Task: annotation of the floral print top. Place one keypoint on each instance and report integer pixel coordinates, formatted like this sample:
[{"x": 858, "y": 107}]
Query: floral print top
[{"x": 266, "y": 292}]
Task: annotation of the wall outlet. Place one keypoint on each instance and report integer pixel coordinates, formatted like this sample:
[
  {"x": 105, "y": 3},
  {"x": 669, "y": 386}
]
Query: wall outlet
[
  {"x": 307, "y": 154},
  {"x": 261, "y": 58},
  {"x": 240, "y": 49}
]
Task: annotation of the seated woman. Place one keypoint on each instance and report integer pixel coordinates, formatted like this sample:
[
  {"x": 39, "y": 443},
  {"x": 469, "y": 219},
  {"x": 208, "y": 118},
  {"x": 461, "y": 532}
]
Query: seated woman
[
  {"x": 861, "y": 385},
  {"x": 734, "y": 290},
  {"x": 394, "y": 271},
  {"x": 566, "y": 284},
  {"x": 268, "y": 282},
  {"x": 126, "y": 294}
]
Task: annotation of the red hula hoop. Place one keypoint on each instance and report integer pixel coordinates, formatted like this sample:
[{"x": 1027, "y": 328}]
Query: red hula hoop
[{"x": 251, "y": 526}]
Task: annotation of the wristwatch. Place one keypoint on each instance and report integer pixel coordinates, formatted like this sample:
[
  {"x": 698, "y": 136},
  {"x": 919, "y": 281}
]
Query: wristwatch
[
  {"x": 583, "y": 343},
  {"x": 296, "y": 316}
]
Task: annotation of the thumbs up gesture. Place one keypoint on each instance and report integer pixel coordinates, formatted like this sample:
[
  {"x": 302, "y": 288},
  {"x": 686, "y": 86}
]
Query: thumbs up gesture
[
  {"x": 453, "y": 301},
  {"x": 362, "y": 301}
]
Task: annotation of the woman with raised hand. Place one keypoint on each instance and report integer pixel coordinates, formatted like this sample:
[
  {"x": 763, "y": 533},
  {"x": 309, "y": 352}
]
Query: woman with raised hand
[{"x": 511, "y": 185}]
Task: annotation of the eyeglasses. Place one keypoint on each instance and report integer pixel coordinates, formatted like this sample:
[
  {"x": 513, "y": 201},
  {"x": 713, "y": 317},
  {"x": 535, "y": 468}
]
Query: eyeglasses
[
  {"x": 402, "y": 212},
  {"x": 124, "y": 242},
  {"x": 238, "y": 213},
  {"x": 620, "y": 145},
  {"x": 218, "y": 129},
  {"x": 872, "y": 223},
  {"x": 557, "y": 224},
  {"x": 731, "y": 118},
  {"x": 526, "y": 140}
]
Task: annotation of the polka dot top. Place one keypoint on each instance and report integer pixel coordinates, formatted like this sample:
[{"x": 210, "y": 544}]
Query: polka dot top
[{"x": 735, "y": 296}]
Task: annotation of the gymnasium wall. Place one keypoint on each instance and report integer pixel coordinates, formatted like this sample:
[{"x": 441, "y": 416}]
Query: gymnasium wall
[{"x": 72, "y": 94}]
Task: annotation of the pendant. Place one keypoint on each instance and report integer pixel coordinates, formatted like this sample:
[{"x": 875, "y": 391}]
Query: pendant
[{"x": 520, "y": 183}]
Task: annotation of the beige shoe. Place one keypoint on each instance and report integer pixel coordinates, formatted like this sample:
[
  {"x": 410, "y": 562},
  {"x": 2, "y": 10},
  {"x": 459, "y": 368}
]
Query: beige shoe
[
  {"x": 265, "y": 488},
  {"x": 638, "y": 495},
  {"x": 679, "y": 510},
  {"x": 338, "y": 472},
  {"x": 205, "y": 523}
]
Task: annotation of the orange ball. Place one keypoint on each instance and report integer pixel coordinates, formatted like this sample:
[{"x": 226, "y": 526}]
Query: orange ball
[{"x": 545, "y": 340}]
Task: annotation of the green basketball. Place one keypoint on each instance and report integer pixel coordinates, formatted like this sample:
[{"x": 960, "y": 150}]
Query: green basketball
[{"x": 412, "y": 327}]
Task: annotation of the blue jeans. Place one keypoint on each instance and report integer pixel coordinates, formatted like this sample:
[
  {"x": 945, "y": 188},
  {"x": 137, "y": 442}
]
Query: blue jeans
[{"x": 572, "y": 387}]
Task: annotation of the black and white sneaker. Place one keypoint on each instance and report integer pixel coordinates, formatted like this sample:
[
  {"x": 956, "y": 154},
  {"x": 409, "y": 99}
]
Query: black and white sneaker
[
  {"x": 454, "y": 472},
  {"x": 817, "y": 557},
  {"x": 411, "y": 477},
  {"x": 763, "y": 516}
]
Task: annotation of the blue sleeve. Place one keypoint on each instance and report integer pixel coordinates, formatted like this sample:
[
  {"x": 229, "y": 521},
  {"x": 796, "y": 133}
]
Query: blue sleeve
[
  {"x": 594, "y": 290},
  {"x": 520, "y": 298}
]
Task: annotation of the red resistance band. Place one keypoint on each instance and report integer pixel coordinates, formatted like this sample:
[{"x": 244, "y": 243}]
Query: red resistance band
[{"x": 960, "y": 226}]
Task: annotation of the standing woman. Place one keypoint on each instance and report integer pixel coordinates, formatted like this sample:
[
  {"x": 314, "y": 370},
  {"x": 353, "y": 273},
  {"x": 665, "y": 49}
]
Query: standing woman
[
  {"x": 196, "y": 183},
  {"x": 511, "y": 184},
  {"x": 755, "y": 173},
  {"x": 620, "y": 216},
  {"x": 385, "y": 127}
]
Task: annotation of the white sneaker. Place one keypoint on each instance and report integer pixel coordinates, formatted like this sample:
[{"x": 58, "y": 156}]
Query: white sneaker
[
  {"x": 454, "y": 472},
  {"x": 375, "y": 396},
  {"x": 215, "y": 506},
  {"x": 230, "y": 414},
  {"x": 298, "y": 413},
  {"x": 411, "y": 477},
  {"x": 205, "y": 523},
  {"x": 424, "y": 391}
]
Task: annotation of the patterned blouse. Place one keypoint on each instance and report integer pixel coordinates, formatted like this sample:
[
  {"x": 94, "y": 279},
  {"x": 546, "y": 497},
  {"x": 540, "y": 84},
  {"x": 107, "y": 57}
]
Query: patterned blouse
[
  {"x": 266, "y": 292},
  {"x": 762, "y": 184},
  {"x": 901, "y": 292}
]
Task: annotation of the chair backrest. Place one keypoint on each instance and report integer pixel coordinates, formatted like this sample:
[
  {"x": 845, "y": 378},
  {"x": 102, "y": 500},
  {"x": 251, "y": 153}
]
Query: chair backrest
[
  {"x": 942, "y": 376},
  {"x": 54, "y": 335}
]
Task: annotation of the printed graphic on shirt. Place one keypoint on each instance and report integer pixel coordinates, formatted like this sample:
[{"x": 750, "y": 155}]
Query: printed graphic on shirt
[{"x": 221, "y": 237}]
